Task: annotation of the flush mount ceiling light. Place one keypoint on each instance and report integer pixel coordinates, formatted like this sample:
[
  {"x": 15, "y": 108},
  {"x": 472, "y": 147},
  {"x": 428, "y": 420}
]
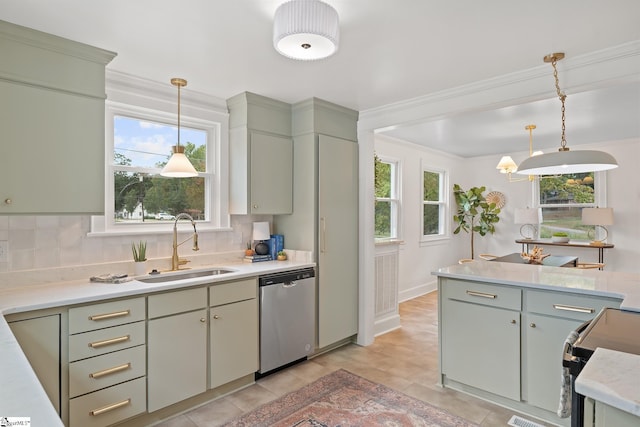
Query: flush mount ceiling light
[
  {"x": 508, "y": 166},
  {"x": 565, "y": 161},
  {"x": 306, "y": 30},
  {"x": 178, "y": 165}
]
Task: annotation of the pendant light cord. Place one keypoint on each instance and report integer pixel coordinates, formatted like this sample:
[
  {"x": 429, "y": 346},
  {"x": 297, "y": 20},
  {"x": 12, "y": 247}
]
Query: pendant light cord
[{"x": 562, "y": 96}]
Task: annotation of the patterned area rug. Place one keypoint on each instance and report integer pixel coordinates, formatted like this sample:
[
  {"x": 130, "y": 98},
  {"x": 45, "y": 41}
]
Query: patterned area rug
[{"x": 345, "y": 399}]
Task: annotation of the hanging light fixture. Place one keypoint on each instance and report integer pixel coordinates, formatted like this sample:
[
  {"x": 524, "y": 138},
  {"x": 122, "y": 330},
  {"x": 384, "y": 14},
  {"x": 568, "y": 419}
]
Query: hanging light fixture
[
  {"x": 178, "y": 165},
  {"x": 565, "y": 161},
  {"x": 508, "y": 166},
  {"x": 306, "y": 30}
]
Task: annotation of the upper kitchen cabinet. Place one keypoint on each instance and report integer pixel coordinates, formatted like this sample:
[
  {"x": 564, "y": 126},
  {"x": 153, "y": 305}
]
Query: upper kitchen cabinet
[
  {"x": 261, "y": 155},
  {"x": 52, "y": 93}
]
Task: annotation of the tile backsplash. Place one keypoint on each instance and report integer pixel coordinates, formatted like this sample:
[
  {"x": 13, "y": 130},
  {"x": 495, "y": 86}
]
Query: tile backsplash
[{"x": 52, "y": 242}]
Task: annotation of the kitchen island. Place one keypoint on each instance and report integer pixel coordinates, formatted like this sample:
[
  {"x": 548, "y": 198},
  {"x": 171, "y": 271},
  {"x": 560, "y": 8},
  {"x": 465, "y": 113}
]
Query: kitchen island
[
  {"x": 502, "y": 327},
  {"x": 22, "y": 394}
]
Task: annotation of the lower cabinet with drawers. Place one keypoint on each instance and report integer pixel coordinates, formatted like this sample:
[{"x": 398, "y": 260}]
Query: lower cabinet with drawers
[
  {"x": 107, "y": 362},
  {"x": 504, "y": 343},
  {"x": 126, "y": 361}
]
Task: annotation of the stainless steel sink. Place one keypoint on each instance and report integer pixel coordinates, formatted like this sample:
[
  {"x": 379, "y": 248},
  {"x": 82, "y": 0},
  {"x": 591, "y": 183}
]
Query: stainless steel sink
[{"x": 173, "y": 276}]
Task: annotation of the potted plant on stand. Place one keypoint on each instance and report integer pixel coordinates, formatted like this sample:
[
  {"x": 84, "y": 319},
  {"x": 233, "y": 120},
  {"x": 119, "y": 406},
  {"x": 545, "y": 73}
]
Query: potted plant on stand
[
  {"x": 139, "y": 252},
  {"x": 475, "y": 214}
]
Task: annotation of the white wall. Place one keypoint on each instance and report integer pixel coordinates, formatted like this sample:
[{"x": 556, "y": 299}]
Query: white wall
[{"x": 417, "y": 261}]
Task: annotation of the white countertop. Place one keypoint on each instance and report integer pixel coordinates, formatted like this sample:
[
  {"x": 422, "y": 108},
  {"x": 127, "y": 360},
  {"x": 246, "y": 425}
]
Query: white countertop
[
  {"x": 611, "y": 377},
  {"x": 583, "y": 281},
  {"x": 21, "y": 394}
]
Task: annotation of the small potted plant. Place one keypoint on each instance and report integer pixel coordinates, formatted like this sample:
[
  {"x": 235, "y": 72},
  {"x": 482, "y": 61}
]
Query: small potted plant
[
  {"x": 282, "y": 256},
  {"x": 560, "y": 237},
  {"x": 139, "y": 252},
  {"x": 249, "y": 251}
]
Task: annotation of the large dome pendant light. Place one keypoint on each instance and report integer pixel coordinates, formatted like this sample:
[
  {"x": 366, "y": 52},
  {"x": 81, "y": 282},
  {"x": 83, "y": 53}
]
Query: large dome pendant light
[
  {"x": 565, "y": 161},
  {"x": 306, "y": 30},
  {"x": 178, "y": 165}
]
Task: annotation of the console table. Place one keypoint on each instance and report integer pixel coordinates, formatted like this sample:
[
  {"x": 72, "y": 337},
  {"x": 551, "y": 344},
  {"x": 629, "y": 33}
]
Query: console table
[{"x": 548, "y": 242}]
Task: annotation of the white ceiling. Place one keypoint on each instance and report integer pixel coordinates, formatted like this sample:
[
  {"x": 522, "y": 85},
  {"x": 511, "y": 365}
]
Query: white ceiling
[{"x": 390, "y": 51}]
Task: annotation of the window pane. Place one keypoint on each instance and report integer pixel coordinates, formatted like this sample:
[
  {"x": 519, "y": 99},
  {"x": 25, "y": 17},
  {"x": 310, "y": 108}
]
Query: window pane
[
  {"x": 431, "y": 219},
  {"x": 383, "y": 220},
  {"x": 143, "y": 198},
  {"x": 567, "y": 189},
  {"x": 147, "y": 144},
  {"x": 565, "y": 219},
  {"x": 431, "y": 186},
  {"x": 383, "y": 179}
]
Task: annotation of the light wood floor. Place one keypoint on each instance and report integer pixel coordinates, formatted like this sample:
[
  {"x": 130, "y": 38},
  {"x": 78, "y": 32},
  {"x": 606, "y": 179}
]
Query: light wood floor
[{"x": 405, "y": 359}]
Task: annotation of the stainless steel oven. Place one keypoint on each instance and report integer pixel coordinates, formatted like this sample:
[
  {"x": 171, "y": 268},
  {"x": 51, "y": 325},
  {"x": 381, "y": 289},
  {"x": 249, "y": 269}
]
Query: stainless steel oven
[{"x": 612, "y": 329}]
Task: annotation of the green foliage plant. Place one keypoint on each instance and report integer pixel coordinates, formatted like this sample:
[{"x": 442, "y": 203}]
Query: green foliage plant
[
  {"x": 139, "y": 251},
  {"x": 474, "y": 214},
  {"x": 560, "y": 234}
]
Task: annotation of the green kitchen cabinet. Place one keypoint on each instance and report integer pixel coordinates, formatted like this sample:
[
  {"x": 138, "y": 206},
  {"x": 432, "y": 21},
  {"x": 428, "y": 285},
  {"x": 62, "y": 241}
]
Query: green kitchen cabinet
[
  {"x": 325, "y": 213},
  {"x": 233, "y": 338},
  {"x": 176, "y": 346},
  {"x": 548, "y": 318},
  {"x": 52, "y": 121},
  {"x": 261, "y": 156},
  {"x": 39, "y": 338},
  {"x": 481, "y": 337}
]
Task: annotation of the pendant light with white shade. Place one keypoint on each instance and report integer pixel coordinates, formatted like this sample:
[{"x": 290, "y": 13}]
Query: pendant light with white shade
[
  {"x": 178, "y": 165},
  {"x": 565, "y": 161}
]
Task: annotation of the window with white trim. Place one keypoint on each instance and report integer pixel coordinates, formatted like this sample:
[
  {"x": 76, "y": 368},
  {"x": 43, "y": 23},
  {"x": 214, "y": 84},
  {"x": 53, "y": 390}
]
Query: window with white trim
[
  {"x": 562, "y": 198},
  {"x": 138, "y": 143},
  {"x": 387, "y": 198},
  {"x": 434, "y": 204}
]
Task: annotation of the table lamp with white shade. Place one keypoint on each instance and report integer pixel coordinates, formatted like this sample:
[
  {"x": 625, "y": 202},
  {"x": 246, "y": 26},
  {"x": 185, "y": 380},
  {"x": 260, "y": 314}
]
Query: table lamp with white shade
[
  {"x": 529, "y": 218},
  {"x": 598, "y": 217},
  {"x": 260, "y": 234}
]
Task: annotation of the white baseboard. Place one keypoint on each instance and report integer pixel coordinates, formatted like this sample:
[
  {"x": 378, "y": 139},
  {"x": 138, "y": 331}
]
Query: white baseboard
[
  {"x": 416, "y": 291},
  {"x": 387, "y": 324}
]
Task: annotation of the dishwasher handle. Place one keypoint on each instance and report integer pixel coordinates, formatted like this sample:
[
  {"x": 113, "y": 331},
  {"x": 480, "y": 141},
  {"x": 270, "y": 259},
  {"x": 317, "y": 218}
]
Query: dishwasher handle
[{"x": 290, "y": 284}]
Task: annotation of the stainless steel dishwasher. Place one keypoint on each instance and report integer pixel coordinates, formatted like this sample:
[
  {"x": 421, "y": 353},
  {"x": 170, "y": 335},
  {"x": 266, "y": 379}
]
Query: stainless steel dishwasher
[{"x": 287, "y": 318}]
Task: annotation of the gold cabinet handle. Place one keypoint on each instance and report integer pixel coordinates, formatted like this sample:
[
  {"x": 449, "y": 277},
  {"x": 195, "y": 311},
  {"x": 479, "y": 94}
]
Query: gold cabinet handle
[
  {"x": 323, "y": 238},
  {"x": 513, "y": 321},
  {"x": 97, "y": 344},
  {"x": 202, "y": 319},
  {"x": 533, "y": 325},
  {"x": 215, "y": 316},
  {"x": 8, "y": 201},
  {"x": 110, "y": 371},
  {"x": 110, "y": 315},
  {"x": 108, "y": 408},
  {"x": 573, "y": 308},
  {"x": 481, "y": 294}
]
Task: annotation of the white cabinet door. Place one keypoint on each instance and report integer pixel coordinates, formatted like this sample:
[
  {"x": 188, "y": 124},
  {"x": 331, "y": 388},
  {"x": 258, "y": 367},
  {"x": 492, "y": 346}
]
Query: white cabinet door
[
  {"x": 39, "y": 339},
  {"x": 481, "y": 347},
  {"x": 234, "y": 341},
  {"x": 177, "y": 358},
  {"x": 337, "y": 240}
]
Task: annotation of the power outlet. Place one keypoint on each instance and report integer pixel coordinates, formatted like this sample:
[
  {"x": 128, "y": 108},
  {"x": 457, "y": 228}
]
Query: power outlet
[{"x": 4, "y": 251}]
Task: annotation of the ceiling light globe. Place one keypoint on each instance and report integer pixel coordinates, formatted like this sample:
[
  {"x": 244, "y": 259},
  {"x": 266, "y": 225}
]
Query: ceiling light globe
[{"x": 306, "y": 30}]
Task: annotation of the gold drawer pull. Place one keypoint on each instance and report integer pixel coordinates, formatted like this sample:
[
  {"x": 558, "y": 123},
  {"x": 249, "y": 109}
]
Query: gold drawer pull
[
  {"x": 118, "y": 340},
  {"x": 108, "y": 408},
  {"x": 573, "y": 308},
  {"x": 110, "y": 371},
  {"x": 110, "y": 315},
  {"x": 481, "y": 294}
]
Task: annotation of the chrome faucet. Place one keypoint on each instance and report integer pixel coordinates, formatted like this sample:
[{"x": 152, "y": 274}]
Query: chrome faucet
[{"x": 176, "y": 262}]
